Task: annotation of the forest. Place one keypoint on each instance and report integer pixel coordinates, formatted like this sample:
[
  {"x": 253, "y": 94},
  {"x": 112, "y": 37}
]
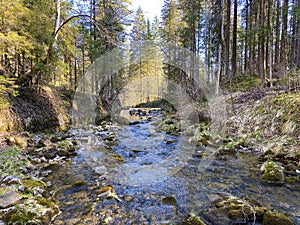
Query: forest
[
  {"x": 189, "y": 118},
  {"x": 54, "y": 42}
]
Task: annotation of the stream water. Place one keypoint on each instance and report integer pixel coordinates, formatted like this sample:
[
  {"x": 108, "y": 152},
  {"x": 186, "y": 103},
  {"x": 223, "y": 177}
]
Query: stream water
[{"x": 156, "y": 178}]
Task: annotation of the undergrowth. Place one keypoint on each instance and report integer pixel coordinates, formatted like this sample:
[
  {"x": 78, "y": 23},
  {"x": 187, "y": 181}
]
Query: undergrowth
[{"x": 12, "y": 162}]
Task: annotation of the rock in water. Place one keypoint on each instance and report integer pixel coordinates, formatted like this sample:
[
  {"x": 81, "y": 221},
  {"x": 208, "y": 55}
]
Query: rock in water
[
  {"x": 101, "y": 170},
  {"x": 9, "y": 198},
  {"x": 169, "y": 200},
  {"x": 272, "y": 218},
  {"x": 191, "y": 219},
  {"x": 273, "y": 173}
]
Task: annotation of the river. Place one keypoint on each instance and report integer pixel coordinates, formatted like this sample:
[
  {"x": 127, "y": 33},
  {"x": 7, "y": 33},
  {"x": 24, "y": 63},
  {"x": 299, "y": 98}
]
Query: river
[{"x": 136, "y": 174}]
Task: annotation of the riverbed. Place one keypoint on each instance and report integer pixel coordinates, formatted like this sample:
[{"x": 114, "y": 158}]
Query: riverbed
[{"x": 135, "y": 174}]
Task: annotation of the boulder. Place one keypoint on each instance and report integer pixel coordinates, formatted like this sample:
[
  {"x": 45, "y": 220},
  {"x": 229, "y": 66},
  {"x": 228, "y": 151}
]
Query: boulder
[
  {"x": 101, "y": 170},
  {"x": 273, "y": 218},
  {"x": 272, "y": 173},
  {"x": 9, "y": 198},
  {"x": 169, "y": 200},
  {"x": 191, "y": 219},
  {"x": 234, "y": 210}
]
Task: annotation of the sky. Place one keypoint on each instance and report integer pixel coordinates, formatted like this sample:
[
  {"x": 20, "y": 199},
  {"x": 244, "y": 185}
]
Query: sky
[{"x": 151, "y": 8}]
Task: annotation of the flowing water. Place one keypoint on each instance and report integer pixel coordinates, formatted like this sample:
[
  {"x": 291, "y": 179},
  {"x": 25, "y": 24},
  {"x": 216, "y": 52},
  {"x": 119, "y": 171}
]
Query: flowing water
[{"x": 156, "y": 178}]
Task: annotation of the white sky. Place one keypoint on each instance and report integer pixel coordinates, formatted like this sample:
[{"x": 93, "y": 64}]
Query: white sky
[{"x": 151, "y": 8}]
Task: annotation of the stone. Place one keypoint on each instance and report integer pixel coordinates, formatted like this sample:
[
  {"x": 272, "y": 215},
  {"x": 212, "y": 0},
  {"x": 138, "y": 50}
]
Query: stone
[
  {"x": 170, "y": 141},
  {"x": 63, "y": 152},
  {"x": 66, "y": 145},
  {"x": 19, "y": 141},
  {"x": 191, "y": 219},
  {"x": 234, "y": 210},
  {"x": 50, "y": 154},
  {"x": 48, "y": 183},
  {"x": 54, "y": 139},
  {"x": 9, "y": 198},
  {"x": 108, "y": 192},
  {"x": 169, "y": 200},
  {"x": 117, "y": 157},
  {"x": 34, "y": 211},
  {"x": 272, "y": 173},
  {"x": 101, "y": 170},
  {"x": 10, "y": 179},
  {"x": 21, "y": 188},
  {"x": 43, "y": 143},
  {"x": 272, "y": 218}
]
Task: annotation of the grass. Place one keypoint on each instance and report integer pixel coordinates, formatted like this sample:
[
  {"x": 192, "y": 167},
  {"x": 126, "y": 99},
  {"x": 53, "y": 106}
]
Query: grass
[
  {"x": 243, "y": 83},
  {"x": 12, "y": 162}
]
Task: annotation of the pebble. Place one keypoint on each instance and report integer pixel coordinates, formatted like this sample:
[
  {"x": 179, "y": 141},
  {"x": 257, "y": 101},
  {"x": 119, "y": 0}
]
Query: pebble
[
  {"x": 11, "y": 180},
  {"x": 101, "y": 170},
  {"x": 36, "y": 160},
  {"x": 48, "y": 184},
  {"x": 21, "y": 189}
]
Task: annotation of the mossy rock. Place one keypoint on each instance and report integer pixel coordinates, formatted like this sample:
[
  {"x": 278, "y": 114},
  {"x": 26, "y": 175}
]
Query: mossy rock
[
  {"x": 273, "y": 218},
  {"x": 237, "y": 210},
  {"x": 66, "y": 145},
  {"x": 273, "y": 173},
  {"x": 45, "y": 202},
  {"x": 105, "y": 189},
  {"x": 18, "y": 141},
  {"x": 292, "y": 180},
  {"x": 191, "y": 219},
  {"x": 118, "y": 157},
  {"x": 169, "y": 200},
  {"x": 33, "y": 184},
  {"x": 33, "y": 211},
  {"x": 79, "y": 183}
]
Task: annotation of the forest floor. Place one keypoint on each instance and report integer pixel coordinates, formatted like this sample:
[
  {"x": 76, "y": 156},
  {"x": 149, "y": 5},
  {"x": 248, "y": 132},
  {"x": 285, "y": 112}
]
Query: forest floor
[{"x": 266, "y": 121}]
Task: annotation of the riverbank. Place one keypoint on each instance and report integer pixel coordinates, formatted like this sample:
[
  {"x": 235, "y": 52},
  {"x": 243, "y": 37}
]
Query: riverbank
[
  {"x": 34, "y": 110},
  {"x": 268, "y": 123}
]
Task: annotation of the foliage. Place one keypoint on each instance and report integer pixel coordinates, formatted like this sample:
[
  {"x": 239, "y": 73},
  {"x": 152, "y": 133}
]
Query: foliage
[
  {"x": 231, "y": 144},
  {"x": 22, "y": 216},
  {"x": 7, "y": 85},
  {"x": 159, "y": 103},
  {"x": 200, "y": 133},
  {"x": 12, "y": 162},
  {"x": 243, "y": 83}
]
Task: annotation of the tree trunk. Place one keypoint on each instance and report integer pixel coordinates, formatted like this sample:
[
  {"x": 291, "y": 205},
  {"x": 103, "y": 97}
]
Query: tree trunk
[
  {"x": 283, "y": 42},
  {"x": 227, "y": 39},
  {"x": 234, "y": 40},
  {"x": 277, "y": 33},
  {"x": 262, "y": 62}
]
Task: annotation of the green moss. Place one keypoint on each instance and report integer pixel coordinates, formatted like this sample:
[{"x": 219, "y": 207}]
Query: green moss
[
  {"x": 292, "y": 180},
  {"x": 45, "y": 202},
  {"x": 192, "y": 219},
  {"x": 33, "y": 183},
  {"x": 3, "y": 190},
  {"x": 272, "y": 218},
  {"x": 12, "y": 162},
  {"x": 272, "y": 173},
  {"x": 66, "y": 145},
  {"x": 79, "y": 183},
  {"x": 243, "y": 83},
  {"x": 238, "y": 210},
  {"x": 21, "y": 216}
]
